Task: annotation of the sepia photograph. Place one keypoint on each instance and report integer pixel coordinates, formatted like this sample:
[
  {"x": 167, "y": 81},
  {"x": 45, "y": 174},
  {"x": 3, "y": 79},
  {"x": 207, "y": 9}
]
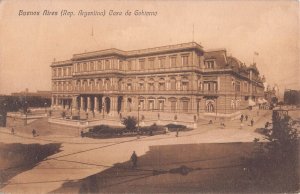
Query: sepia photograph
[{"x": 153, "y": 96}]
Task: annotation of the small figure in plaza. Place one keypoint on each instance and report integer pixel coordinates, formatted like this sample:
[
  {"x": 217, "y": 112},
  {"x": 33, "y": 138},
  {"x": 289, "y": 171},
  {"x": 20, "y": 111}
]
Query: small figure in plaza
[
  {"x": 246, "y": 117},
  {"x": 252, "y": 122},
  {"x": 12, "y": 131},
  {"x": 33, "y": 132},
  {"x": 134, "y": 159},
  {"x": 267, "y": 124},
  {"x": 87, "y": 115},
  {"x": 151, "y": 133},
  {"x": 166, "y": 130},
  {"x": 242, "y": 125},
  {"x": 210, "y": 122},
  {"x": 242, "y": 118},
  {"x": 177, "y": 132},
  {"x": 81, "y": 133},
  {"x": 223, "y": 125}
]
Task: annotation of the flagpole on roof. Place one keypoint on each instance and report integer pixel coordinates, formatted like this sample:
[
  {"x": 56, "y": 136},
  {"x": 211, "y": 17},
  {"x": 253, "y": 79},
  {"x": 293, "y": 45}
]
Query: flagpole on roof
[{"x": 255, "y": 54}]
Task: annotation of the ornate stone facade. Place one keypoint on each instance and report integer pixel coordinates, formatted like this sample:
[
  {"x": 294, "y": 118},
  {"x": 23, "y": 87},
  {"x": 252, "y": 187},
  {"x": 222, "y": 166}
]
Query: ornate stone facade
[{"x": 180, "y": 78}]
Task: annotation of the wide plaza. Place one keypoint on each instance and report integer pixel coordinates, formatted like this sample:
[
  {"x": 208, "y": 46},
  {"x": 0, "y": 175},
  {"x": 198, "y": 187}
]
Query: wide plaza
[{"x": 74, "y": 162}]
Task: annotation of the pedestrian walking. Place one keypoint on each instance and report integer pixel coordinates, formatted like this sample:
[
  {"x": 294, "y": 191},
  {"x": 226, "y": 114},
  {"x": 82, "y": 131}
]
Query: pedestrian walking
[
  {"x": 33, "y": 132},
  {"x": 12, "y": 131},
  {"x": 177, "y": 132},
  {"x": 134, "y": 159},
  {"x": 252, "y": 122},
  {"x": 241, "y": 126},
  {"x": 246, "y": 117},
  {"x": 242, "y": 118},
  {"x": 81, "y": 133}
]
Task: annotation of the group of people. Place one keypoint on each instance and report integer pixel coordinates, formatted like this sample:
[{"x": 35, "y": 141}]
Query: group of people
[
  {"x": 34, "y": 132},
  {"x": 246, "y": 119}
]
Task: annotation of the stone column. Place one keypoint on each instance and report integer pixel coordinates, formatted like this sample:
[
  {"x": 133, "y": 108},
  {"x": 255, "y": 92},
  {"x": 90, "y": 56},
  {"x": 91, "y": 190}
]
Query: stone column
[
  {"x": 56, "y": 101},
  {"x": 52, "y": 101},
  {"x": 88, "y": 103},
  {"x": 113, "y": 103},
  {"x": 74, "y": 103},
  {"x": 125, "y": 104},
  {"x": 81, "y": 103},
  {"x": 96, "y": 104}
]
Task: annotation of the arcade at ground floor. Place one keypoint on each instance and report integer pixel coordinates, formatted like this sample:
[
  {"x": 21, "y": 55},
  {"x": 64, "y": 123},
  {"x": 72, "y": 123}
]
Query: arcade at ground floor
[{"x": 111, "y": 104}]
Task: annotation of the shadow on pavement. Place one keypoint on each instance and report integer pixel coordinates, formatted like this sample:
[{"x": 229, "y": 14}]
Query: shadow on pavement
[
  {"x": 216, "y": 167},
  {"x": 16, "y": 158}
]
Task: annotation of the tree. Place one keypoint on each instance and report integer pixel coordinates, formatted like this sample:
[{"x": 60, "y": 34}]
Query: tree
[
  {"x": 274, "y": 164},
  {"x": 282, "y": 137},
  {"x": 130, "y": 123}
]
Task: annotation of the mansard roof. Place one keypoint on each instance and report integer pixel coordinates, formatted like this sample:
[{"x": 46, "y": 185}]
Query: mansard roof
[{"x": 134, "y": 53}]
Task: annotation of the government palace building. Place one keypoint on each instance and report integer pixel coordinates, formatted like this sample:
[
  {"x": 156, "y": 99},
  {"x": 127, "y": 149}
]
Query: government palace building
[{"x": 174, "y": 79}]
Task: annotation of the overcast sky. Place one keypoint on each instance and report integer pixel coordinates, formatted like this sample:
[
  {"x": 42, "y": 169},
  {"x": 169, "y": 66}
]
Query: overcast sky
[{"x": 28, "y": 44}]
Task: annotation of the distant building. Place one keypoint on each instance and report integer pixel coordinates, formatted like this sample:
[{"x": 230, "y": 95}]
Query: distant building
[
  {"x": 180, "y": 78},
  {"x": 292, "y": 97},
  {"x": 42, "y": 94}
]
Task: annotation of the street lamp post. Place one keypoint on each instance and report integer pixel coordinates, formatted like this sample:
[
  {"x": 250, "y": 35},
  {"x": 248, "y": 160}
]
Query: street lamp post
[
  {"x": 45, "y": 105},
  {"x": 25, "y": 112},
  {"x": 138, "y": 130},
  {"x": 103, "y": 109}
]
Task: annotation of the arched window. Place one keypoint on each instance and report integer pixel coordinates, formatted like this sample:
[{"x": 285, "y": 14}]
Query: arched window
[
  {"x": 151, "y": 84},
  {"x": 173, "y": 83},
  {"x": 161, "y": 84},
  {"x": 107, "y": 84},
  {"x": 210, "y": 107},
  {"x": 185, "y": 83}
]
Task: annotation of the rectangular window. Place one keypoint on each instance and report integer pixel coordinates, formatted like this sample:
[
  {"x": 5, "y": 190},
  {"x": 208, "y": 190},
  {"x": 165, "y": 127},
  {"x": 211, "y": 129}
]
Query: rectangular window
[
  {"x": 161, "y": 105},
  {"x": 107, "y": 64},
  {"x": 78, "y": 67},
  {"x": 92, "y": 66},
  {"x": 185, "y": 106},
  {"x": 185, "y": 60},
  {"x": 59, "y": 72},
  {"x": 84, "y": 67},
  {"x": 151, "y": 104},
  {"x": 151, "y": 63},
  {"x": 173, "y": 61},
  {"x": 129, "y": 65},
  {"x": 162, "y": 62},
  {"x": 142, "y": 64},
  {"x": 54, "y": 73},
  {"x": 173, "y": 106},
  {"x": 238, "y": 86},
  {"x": 121, "y": 65},
  {"x": 70, "y": 71},
  {"x": 173, "y": 85},
  {"x": 210, "y": 64}
]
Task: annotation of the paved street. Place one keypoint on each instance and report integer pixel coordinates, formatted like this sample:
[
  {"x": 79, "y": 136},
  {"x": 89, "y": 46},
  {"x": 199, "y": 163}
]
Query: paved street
[{"x": 78, "y": 158}]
